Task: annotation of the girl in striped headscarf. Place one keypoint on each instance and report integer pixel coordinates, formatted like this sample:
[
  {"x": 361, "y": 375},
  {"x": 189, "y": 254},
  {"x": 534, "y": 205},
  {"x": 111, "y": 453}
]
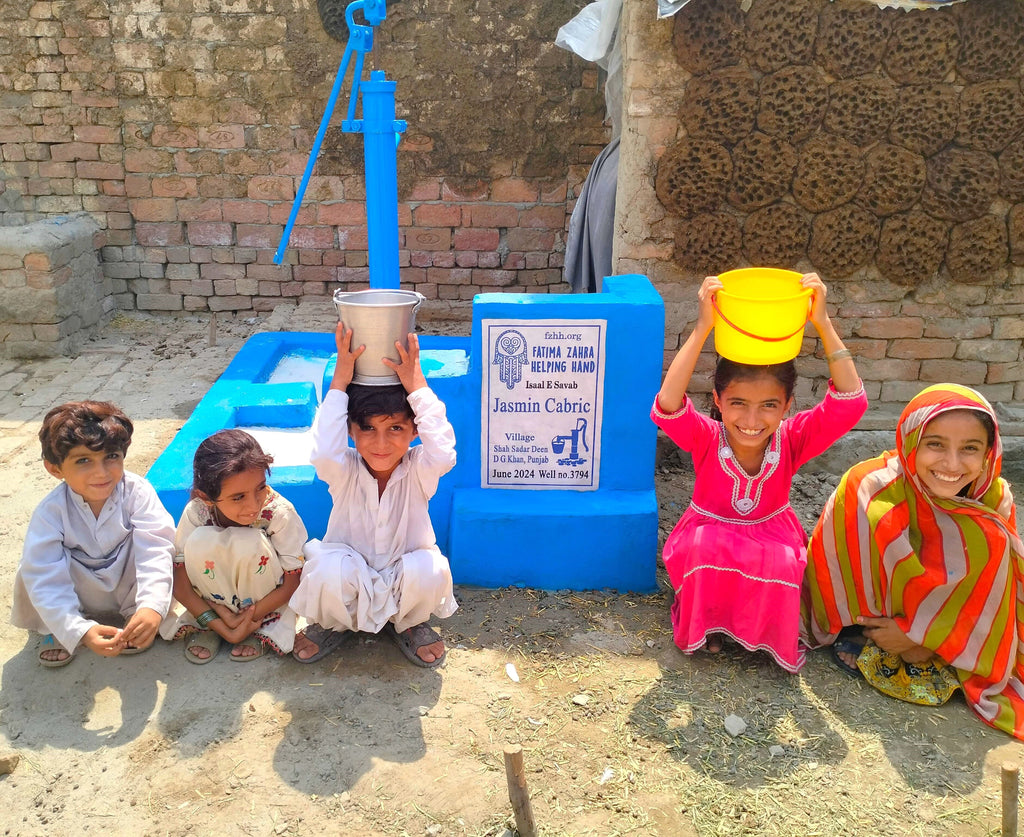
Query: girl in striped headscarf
[{"x": 919, "y": 547}]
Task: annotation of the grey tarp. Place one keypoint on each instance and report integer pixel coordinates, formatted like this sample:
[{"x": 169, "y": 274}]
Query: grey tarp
[{"x": 588, "y": 248}]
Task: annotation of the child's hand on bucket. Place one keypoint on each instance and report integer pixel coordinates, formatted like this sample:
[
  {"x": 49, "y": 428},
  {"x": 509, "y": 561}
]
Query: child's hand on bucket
[
  {"x": 706, "y": 313},
  {"x": 345, "y": 366},
  {"x": 408, "y": 366},
  {"x": 819, "y": 314}
]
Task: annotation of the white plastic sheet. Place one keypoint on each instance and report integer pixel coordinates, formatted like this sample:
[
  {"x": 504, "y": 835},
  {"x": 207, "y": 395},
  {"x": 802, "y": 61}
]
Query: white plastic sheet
[{"x": 592, "y": 35}]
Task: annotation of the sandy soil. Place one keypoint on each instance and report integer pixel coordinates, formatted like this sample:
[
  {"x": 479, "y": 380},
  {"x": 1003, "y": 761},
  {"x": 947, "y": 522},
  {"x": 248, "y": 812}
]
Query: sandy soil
[{"x": 622, "y": 734}]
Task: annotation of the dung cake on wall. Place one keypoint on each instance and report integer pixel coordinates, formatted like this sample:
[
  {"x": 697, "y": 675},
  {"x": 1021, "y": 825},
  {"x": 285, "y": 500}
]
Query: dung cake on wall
[{"x": 849, "y": 136}]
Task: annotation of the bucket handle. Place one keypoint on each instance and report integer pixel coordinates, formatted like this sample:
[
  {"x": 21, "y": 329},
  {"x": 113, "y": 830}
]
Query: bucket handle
[{"x": 735, "y": 327}]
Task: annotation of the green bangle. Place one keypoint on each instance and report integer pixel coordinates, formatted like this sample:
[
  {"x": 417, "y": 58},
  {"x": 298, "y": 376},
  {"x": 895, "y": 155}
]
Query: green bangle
[
  {"x": 839, "y": 354},
  {"x": 206, "y": 617}
]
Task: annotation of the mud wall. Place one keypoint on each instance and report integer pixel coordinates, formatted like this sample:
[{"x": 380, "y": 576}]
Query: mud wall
[
  {"x": 183, "y": 127},
  {"x": 880, "y": 148}
]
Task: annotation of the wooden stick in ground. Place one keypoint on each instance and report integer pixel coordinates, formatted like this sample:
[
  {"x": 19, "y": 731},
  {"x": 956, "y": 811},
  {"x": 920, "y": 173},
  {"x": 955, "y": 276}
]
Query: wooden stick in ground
[
  {"x": 1011, "y": 778},
  {"x": 518, "y": 794},
  {"x": 213, "y": 329}
]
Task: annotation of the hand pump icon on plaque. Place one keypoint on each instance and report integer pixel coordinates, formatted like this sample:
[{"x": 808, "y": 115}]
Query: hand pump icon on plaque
[{"x": 574, "y": 437}]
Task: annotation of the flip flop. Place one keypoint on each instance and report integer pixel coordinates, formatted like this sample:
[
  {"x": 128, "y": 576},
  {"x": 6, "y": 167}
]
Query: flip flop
[
  {"x": 249, "y": 642},
  {"x": 411, "y": 639},
  {"x": 48, "y": 643},
  {"x": 210, "y": 640},
  {"x": 324, "y": 639},
  {"x": 847, "y": 646}
]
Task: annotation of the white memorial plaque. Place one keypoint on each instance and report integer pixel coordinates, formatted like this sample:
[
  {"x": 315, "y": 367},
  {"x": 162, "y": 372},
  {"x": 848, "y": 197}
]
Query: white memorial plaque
[{"x": 543, "y": 395}]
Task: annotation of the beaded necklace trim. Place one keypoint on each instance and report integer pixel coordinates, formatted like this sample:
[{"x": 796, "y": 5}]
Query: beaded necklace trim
[{"x": 746, "y": 489}]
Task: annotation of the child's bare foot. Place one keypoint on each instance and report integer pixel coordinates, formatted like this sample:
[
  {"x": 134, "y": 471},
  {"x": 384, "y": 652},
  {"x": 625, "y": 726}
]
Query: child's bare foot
[
  {"x": 714, "y": 644},
  {"x": 431, "y": 653},
  {"x": 54, "y": 657},
  {"x": 315, "y": 642},
  {"x": 248, "y": 649},
  {"x": 51, "y": 655},
  {"x": 846, "y": 649},
  {"x": 420, "y": 644},
  {"x": 202, "y": 646},
  {"x": 304, "y": 647},
  {"x": 849, "y": 658}
]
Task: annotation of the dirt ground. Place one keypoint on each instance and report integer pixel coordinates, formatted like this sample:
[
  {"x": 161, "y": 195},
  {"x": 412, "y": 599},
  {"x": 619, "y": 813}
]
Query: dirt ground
[{"x": 622, "y": 734}]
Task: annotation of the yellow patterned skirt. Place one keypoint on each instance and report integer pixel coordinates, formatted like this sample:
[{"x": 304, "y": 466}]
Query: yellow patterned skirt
[{"x": 929, "y": 684}]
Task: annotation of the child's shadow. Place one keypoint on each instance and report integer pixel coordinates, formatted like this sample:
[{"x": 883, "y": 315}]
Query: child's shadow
[
  {"x": 935, "y": 749},
  {"x": 89, "y": 704},
  {"x": 779, "y": 728},
  {"x": 327, "y": 721},
  {"x": 796, "y": 721}
]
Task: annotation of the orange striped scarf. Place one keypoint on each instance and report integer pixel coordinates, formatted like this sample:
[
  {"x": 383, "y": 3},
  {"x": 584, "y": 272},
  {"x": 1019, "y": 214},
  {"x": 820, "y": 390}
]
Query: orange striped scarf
[{"x": 949, "y": 572}]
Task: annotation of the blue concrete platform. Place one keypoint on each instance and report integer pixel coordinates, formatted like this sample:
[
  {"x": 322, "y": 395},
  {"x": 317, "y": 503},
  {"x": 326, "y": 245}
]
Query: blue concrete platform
[
  {"x": 242, "y": 397},
  {"x": 575, "y": 375}
]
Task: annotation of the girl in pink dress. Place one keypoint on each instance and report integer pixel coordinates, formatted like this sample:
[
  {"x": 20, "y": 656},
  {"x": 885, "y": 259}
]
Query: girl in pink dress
[{"x": 736, "y": 558}]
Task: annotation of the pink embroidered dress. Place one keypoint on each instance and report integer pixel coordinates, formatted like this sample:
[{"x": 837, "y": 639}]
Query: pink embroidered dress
[{"x": 736, "y": 558}]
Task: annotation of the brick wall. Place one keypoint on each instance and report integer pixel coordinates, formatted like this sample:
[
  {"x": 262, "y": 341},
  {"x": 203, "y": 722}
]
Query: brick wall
[
  {"x": 944, "y": 324},
  {"x": 183, "y": 129},
  {"x": 54, "y": 292}
]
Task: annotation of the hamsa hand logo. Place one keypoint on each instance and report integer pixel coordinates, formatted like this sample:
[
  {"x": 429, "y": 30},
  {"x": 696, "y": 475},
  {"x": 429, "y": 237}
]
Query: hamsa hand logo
[{"x": 510, "y": 356}]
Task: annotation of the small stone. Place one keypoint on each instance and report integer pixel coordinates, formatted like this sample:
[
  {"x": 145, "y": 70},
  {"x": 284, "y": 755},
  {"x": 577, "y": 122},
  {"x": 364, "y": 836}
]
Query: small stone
[
  {"x": 581, "y": 700},
  {"x": 423, "y": 711},
  {"x": 8, "y": 761},
  {"x": 776, "y": 750},
  {"x": 735, "y": 725},
  {"x": 650, "y": 643},
  {"x": 510, "y": 670},
  {"x": 434, "y": 829}
]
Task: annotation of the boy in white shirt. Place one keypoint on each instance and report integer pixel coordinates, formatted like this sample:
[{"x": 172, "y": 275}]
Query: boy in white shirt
[
  {"x": 99, "y": 545},
  {"x": 378, "y": 566}
]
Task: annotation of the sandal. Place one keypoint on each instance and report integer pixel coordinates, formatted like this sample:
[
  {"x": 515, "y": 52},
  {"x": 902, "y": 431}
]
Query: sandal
[
  {"x": 324, "y": 639},
  {"x": 412, "y": 639},
  {"x": 248, "y": 642},
  {"x": 210, "y": 640},
  {"x": 847, "y": 646},
  {"x": 48, "y": 643},
  {"x": 132, "y": 650}
]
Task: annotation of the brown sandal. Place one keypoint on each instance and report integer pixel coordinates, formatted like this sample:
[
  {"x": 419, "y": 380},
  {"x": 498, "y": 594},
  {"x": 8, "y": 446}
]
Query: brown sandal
[{"x": 412, "y": 639}]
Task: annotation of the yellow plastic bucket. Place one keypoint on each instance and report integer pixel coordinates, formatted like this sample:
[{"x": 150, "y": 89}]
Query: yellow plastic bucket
[{"x": 760, "y": 315}]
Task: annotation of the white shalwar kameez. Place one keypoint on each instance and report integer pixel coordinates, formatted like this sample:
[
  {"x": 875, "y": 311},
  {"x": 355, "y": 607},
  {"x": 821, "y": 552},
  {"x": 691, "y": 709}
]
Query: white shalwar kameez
[
  {"x": 378, "y": 561},
  {"x": 75, "y": 565},
  {"x": 239, "y": 565}
]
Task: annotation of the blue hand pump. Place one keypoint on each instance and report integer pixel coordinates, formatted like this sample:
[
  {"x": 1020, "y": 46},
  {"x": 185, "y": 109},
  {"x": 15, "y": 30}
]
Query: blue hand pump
[{"x": 381, "y": 133}]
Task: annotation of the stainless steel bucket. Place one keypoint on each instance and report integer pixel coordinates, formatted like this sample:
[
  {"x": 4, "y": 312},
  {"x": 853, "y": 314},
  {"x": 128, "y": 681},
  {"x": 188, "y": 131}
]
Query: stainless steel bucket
[{"x": 378, "y": 318}]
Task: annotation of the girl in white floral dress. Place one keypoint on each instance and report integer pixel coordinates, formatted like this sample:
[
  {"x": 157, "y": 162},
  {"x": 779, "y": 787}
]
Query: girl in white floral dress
[{"x": 239, "y": 554}]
